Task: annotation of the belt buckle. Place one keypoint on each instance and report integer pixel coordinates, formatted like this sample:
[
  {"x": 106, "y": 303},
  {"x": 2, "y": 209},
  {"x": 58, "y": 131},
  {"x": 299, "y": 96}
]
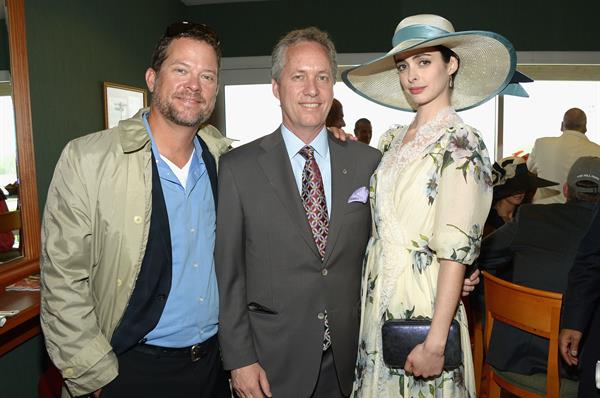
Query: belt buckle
[{"x": 196, "y": 352}]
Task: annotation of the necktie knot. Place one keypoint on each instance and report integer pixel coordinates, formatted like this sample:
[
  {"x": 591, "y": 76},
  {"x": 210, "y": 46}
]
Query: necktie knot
[{"x": 307, "y": 152}]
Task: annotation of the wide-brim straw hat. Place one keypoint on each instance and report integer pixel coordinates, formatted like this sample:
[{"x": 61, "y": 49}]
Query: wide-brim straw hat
[{"x": 487, "y": 63}]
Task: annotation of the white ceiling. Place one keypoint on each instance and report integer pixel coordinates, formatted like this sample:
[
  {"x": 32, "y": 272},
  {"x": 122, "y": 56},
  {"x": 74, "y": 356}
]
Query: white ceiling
[{"x": 201, "y": 2}]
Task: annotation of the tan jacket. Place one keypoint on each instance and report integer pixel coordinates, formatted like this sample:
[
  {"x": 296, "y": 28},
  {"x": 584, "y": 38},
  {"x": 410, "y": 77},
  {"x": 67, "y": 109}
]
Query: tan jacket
[
  {"x": 94, "y": 233},
  {"x": 552, "y": 157}
]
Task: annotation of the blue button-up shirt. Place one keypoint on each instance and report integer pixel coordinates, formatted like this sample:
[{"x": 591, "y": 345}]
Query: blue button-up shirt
[
  {"x": 191, "y": 312},
  {"x": 321, "y": 146}
]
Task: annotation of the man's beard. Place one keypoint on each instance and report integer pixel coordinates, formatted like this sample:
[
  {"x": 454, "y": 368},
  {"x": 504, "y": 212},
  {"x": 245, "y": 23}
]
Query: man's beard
[{"x": 167, "y": 109}]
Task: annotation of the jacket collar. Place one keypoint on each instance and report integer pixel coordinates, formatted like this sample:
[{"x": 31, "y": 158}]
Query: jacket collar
[
  {"x": 133, "y": 135},
  {"x": 575, "y": 133}
]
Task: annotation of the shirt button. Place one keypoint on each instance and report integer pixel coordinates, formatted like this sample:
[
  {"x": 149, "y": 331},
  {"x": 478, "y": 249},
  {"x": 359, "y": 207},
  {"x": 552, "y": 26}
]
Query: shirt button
[
  {"x": 119, "y": 282},
  {"x": 137, "y": 219},
  {"x": 324, "y": 272},
  {"x": 321, "y": 316},
  {"x": 195, "y": 265},
  {"x": 192, "y": 230},
  {"x": 161, "y": 297},
  {"x": 201, "y": 299},
  {"x": 69, "y": 372}
]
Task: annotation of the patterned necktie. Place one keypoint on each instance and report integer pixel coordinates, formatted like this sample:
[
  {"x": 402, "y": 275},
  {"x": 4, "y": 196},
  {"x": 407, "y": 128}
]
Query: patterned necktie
[
  {"x": 313, "y": 199},
  {"x": 315, "y": 206}
]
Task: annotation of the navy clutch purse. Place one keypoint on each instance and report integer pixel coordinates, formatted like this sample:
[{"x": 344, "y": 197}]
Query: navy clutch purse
[{"x": 400, "y": 336}]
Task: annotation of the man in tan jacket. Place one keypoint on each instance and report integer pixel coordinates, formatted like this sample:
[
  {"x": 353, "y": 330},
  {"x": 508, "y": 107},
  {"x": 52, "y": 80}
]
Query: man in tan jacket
[
  {"x": 552, "y": 157},
  {"x": 129, "y": 296}
]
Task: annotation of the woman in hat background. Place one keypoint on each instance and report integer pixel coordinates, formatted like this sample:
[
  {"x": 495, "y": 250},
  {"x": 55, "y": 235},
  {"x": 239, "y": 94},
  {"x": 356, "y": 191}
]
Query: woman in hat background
[
  {"x": 514, "y": 185},
  {"x": 430, "y": 197}
]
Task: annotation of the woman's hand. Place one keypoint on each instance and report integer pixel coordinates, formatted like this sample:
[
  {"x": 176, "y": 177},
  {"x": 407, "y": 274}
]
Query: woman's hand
[{"x": 423, "y": 361}]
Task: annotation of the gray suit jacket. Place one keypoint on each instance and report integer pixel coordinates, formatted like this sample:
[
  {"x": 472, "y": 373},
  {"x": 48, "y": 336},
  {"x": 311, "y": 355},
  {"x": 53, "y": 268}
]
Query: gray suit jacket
[{"x": 272, "y": 283}]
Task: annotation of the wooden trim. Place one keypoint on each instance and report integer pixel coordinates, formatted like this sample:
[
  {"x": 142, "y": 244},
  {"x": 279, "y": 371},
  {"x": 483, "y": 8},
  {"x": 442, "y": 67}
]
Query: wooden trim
[
  {"x": 26, "y": 324},
  {"x": 17, "y": 39}
]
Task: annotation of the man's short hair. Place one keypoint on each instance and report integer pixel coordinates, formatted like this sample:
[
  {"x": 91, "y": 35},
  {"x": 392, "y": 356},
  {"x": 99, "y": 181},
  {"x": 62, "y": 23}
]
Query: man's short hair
[
  {"x": 361, "y": 120},
  {"x": 178, "y": 30},
  {"x": 584, "y": 179},
  {"x": 310, "y": 34}
]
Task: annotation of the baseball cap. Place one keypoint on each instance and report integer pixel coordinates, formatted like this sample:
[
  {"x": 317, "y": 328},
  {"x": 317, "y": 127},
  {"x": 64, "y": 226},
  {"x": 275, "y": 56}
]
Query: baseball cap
[{"x": 584, "y": 175}]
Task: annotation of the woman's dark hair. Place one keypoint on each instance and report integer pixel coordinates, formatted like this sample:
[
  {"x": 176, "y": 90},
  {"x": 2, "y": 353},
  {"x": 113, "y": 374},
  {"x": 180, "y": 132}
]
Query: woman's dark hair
[{"x": 446, "y": 55}]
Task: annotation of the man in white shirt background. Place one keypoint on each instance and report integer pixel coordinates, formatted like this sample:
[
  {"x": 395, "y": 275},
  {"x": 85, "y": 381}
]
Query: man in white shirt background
[{"x": 552, "y": 157}]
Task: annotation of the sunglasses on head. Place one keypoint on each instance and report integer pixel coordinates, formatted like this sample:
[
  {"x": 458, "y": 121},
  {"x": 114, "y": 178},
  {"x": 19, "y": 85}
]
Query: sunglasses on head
[{"x": 178, "y": 28}]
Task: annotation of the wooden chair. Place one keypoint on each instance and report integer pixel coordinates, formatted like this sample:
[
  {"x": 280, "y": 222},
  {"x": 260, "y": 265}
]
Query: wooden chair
[
  {"x": 476, "y": 337},
  {"x": 534, "y": 311}
]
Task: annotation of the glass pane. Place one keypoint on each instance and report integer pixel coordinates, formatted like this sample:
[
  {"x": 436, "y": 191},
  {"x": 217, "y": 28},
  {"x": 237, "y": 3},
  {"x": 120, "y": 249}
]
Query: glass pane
[
  {"x": 9, "y": 187},
  {"x": 540, "y": 115}
]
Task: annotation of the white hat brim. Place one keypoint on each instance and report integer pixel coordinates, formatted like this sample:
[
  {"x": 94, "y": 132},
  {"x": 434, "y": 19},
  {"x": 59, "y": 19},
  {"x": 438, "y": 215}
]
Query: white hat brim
[{"x": 487, "y": 63}]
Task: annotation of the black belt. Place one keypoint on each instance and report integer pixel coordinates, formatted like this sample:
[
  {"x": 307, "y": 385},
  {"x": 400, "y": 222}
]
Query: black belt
[{"x": 194, "y": 352}]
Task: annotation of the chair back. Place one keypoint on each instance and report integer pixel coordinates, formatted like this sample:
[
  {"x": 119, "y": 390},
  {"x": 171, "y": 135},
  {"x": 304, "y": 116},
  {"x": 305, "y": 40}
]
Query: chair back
[{"x": 532, "y": 310}]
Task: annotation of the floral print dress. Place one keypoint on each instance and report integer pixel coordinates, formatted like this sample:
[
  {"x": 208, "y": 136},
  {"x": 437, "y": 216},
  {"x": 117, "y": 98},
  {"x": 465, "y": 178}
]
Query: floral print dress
[{"x": 429, "y": 198}]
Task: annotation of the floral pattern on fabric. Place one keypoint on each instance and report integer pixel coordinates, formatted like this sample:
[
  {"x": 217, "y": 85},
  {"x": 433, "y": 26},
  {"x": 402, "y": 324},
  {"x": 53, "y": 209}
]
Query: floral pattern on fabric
[{"x": 429, "y": 198}]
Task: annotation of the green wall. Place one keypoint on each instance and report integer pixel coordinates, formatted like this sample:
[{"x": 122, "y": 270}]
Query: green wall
[
  {"x": 21, "y": 368},
  {"x": 73, "y": 47}
]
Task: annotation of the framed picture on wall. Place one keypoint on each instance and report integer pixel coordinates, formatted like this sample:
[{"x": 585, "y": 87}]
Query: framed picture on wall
[{"x": 122, "y": 102}]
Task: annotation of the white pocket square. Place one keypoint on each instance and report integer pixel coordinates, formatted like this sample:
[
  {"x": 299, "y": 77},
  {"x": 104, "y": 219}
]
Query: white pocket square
[{"x": 360, "y": 195}]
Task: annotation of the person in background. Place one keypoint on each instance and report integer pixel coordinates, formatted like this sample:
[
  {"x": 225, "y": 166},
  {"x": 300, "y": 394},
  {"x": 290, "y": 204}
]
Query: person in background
[
  {"x": 335, "y": 117},
  {"x": 363, "y": 130},
  {"x": 430, "y": 196},
  {"x": 580, "y": 325},
  {"x": 552, "y": 157},
  {"x": 537, "y": 249},
  {"x": 514, "y": 185},
  {"x": 129, "y": 294}
]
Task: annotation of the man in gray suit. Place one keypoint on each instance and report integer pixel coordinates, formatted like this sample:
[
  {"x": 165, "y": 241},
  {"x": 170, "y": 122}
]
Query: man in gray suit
[{"x": 292, "y": 227}]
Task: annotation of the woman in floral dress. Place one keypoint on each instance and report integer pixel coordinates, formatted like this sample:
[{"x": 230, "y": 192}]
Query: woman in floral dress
[{"x": 430, "y": 197}]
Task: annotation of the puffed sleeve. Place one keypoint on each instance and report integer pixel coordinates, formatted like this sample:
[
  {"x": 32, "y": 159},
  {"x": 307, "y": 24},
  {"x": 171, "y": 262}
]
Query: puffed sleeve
[{"x": 464, "y": 195}]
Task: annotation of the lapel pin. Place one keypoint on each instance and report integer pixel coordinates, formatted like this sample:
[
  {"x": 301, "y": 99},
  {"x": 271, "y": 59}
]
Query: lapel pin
[{"x": 344, "y": 171}]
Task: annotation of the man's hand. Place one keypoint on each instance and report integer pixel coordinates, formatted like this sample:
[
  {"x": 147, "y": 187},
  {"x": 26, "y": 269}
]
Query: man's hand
[
  {"x": 470, "y": 283},
  {"x": 568, "y": 345},
  {"x": 341, "y": 135},
  {"x": 250, "y": 382},
  {"x": 96, "y": 394}
]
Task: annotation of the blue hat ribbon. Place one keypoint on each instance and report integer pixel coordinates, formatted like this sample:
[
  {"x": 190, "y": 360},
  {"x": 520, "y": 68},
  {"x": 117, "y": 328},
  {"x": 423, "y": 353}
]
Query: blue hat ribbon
[{"x": 418, "y": 31}]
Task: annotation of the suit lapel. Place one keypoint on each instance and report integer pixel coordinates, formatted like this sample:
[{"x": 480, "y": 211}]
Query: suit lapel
[
  {"x": 342, "y": 177},
  {"x": 275, "y": 163}
]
